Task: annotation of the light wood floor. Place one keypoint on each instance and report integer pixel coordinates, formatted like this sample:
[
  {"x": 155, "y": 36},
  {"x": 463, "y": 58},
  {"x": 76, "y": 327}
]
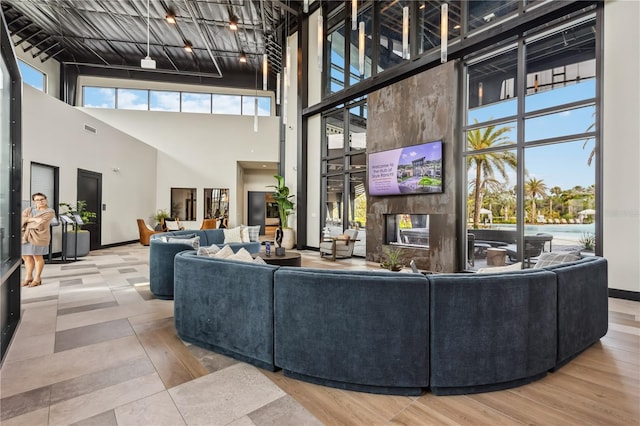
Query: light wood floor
[{"x": 600, "y": 387}]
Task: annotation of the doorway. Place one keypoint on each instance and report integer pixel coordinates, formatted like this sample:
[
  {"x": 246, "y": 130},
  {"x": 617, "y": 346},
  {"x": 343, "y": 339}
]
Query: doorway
[{"x": 90, "y": 190}]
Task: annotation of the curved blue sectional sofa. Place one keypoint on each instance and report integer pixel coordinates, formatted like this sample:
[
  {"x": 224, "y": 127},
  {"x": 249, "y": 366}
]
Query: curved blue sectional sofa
[
  {"x": 393, "y": 333},
  {"x": 161, "y": 256}
]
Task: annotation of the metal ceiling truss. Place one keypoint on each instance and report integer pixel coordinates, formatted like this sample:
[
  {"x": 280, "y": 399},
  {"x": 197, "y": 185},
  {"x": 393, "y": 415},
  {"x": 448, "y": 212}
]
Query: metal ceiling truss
[{"x": 113, "y": 34}]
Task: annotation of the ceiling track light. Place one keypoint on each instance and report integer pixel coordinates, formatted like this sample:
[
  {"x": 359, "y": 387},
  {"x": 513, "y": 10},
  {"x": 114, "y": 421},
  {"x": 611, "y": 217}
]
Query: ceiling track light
[{"x": 233, "y": 23}]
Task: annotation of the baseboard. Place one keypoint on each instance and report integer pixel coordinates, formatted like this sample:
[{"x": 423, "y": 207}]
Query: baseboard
[{"x": 624, "y": 294}]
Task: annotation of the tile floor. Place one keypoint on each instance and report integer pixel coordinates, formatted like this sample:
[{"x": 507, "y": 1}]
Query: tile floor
[{"x": 94, "y": 347}]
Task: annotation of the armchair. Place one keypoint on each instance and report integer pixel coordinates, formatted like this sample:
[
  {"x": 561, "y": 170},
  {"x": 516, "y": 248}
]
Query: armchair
[
  {"x": 340, "y": 246},
  {"x": 210, "y": 224},
  {"x": 145, "y": 232}
]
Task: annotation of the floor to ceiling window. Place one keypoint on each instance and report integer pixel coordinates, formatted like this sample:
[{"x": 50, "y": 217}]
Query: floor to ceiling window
[
  {"x": 344, "y": 172},
  {"x": 531, "y": 138}
]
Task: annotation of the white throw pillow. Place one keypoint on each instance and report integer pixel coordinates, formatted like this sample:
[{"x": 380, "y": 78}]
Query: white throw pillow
[
  {"x": 224, "y": 252},
  {"x": 208, "y": 251},
  {"x": 244, "y": 234},
  {"x": 149, "y": 227},
  {"x": 556, "y": 258},
  {"x": 508, "y": 268},
  {"x": 232, "y": 235},
  {"x": 259, "y": 261},
  {"x": 242, "y": 255}
]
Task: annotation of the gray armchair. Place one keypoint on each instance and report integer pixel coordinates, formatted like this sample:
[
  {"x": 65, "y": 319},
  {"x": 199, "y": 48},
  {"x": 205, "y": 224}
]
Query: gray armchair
[{"x": 340, "y": 246}]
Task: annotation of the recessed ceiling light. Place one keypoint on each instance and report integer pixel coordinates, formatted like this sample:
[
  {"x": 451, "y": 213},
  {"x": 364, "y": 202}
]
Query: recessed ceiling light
[
  {"x": 188, "y": 47},
  {"x": 242, "y": 58},
  {"x": 171, "y": 17}
]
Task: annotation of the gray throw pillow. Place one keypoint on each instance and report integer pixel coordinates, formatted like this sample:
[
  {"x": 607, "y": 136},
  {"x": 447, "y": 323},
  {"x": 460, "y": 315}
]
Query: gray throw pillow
[
  {"x": 193, "y": 242},
  {"x": 208, "y": 251},
  {"x": 254, "y": 233}
]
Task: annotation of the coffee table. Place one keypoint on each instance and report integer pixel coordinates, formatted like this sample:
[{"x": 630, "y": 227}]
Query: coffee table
[{"x": 290, "y": 258}]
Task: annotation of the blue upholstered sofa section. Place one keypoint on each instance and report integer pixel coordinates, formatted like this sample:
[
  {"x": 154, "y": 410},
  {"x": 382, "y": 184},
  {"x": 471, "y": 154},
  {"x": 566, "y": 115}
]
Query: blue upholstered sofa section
[
  {"x": 393, "y": 333},
  {"x": 491, "y": 331},
  {"x": 358, "y": 330},
  {"x": 161, "y": 256},
  {"x": 583, "y": 310},
  {"x": 225, "y": 306}
]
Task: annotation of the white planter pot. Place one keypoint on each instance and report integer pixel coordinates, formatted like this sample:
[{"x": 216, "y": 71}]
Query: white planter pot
[{"x": 288, "y": 238}]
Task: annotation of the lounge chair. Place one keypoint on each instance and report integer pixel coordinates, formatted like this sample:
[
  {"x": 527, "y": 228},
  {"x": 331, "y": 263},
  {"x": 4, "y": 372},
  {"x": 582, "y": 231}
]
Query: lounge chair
[
  {"x": 340, "y": 246},
  {"x": 145, "y": 231},
  {"x": 534, "y": 245}
]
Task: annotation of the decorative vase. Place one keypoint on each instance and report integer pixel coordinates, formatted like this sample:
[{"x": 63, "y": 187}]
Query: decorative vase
[{"x": 288, "y": 238}]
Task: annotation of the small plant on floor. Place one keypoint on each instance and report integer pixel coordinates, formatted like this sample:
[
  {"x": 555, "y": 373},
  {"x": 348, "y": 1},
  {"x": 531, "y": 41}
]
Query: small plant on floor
[
  {"x": 394, "y": 259},
  {"x": 588, "y": 241}
]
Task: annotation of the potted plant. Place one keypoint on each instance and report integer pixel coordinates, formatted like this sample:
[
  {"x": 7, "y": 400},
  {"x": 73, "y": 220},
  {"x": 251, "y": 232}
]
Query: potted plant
[
  {"x": 394, "y": 259},
  {"x": 159, "y": 217},
  {"x": 282, "y": 198},
  {"x": 81, "y": 246}
]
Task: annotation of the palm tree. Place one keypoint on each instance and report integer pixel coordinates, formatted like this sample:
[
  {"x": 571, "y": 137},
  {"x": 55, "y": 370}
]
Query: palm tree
[
  {"x": 487, "y": 164},
  {"x": 534, "y": 188},
  {"x": 593, "y": 150}
]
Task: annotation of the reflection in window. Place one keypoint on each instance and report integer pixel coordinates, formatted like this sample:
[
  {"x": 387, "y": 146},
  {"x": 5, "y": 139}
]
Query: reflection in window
[
  {"x": 561, "y": 67},
  {"x": 183, "y": 203},
  {"x": 357, "y": 128},
  {"x": 164, "y": 101},
  {"x": 196, "y": 102},
  {"x": 390, "y": 47},
  {"x": 99, "y": 97},
  {"x": 132, "y": 99},
  {"x": 336, "y": 60},
  {"x": 334, "y": 130},
  {"x": 7, "y": 166},
  {"x": 483, "y": 13},
  {"x": 364, "y": 16},
  {"x": 32, "y": 76},
  {"x": 491, "y": 93},
  {"x": 357, "y": 200},
  {"x": 227, "y": 104}
]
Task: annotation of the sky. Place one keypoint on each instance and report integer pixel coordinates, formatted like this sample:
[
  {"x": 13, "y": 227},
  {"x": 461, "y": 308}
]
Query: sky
[{"x": 564, "y": 164}]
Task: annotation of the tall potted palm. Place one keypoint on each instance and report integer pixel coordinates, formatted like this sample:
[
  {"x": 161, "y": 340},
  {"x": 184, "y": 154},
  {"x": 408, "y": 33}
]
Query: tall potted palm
[{"x": 282, "y": 197}]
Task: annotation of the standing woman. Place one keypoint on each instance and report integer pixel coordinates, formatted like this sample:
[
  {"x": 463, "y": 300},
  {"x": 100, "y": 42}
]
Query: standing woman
[{"x": 36, "y": 235}]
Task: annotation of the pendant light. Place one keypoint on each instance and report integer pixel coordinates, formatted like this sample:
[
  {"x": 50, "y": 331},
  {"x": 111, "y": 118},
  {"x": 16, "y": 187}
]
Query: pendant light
[
  {"x": 264, "y": 71},
  {"x": 361, "y": 48},
  {"x": 147, "y": 62},
  {"x": 444, "y": 31},
  {"x": 354, "y": 15},
  {"x": 320, "y": 39},
  {"x": 405, "y": 32}
]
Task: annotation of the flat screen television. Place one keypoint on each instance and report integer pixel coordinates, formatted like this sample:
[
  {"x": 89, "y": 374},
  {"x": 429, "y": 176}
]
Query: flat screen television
[{"x": 415, "y": 169}]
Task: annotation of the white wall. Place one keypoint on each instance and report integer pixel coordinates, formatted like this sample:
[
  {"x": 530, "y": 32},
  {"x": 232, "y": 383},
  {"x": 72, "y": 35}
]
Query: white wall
[
  {"x": 621, "y": 144},
  {"x": 53, "y": 134},
  {"x": 198, "y": 151}
]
